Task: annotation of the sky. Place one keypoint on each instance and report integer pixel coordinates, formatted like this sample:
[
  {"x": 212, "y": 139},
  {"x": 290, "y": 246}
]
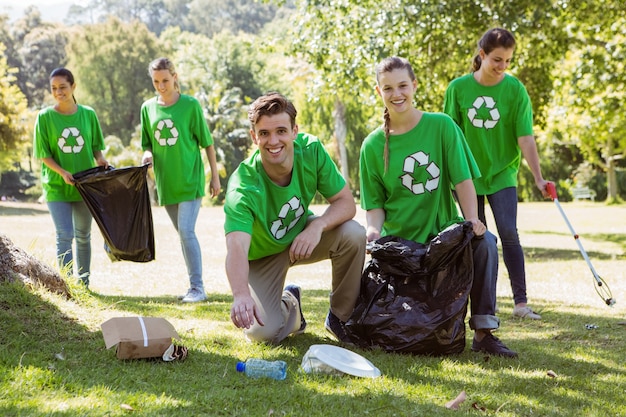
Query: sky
[{"x": 51, "y": 10}]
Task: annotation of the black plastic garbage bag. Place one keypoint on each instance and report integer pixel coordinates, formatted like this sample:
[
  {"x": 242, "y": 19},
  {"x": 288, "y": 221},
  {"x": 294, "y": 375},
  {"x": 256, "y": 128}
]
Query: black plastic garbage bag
[
  {"x": 413, "y": 296},
  {"x": 119, "y": 202}
]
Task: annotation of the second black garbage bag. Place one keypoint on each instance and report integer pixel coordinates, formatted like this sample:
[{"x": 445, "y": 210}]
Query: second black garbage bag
[
  {"x": 120, "y": 203},
  {"x": 414, "y": 296}
]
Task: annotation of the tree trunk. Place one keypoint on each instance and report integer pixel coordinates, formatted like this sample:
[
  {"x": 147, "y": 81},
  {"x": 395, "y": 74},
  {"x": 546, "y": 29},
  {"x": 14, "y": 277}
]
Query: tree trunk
[
  {"x": 339, "y": 113},
  {"x": 611, "y": 175},
  {"x": 611, "y": 179},
  {"x": 16, "y": 264}
]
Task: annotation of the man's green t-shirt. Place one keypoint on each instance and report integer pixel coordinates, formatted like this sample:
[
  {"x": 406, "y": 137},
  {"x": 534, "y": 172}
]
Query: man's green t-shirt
[
  {"x": 69, "y": 139},
  {"x": 175, "y": 135},
  {"x": 492, "y": 119},
  {"x": 275, "y": 215},
  {"x": 415, "y": 192}
]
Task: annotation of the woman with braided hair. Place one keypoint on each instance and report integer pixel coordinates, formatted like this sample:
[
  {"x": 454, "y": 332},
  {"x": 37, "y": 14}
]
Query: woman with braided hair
[{"x": 408, "y": 192}]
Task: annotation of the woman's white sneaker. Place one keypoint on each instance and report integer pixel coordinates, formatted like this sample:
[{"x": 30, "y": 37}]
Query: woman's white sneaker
[
  {"x": 525, "y": 313},
  {"x": 194, "y": 295}
]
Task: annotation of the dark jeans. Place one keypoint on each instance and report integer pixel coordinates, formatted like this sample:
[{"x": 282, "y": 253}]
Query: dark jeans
[
  {"x": 504, "y": 208},
  {"x": 483, "y": 294}
]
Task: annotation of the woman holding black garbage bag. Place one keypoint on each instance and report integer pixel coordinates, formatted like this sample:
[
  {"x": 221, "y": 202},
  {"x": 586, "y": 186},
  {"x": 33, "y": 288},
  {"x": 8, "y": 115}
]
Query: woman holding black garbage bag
[
  {"x": 407, "y": 167},
  {"x": 68, "y": 139}
]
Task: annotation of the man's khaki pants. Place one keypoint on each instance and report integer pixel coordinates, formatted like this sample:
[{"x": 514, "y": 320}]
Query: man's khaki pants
[{"x": 344, "y": 246}]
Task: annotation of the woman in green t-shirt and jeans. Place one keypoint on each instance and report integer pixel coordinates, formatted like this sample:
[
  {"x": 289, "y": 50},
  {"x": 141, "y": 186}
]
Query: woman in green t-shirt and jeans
[
  {"x": 68, "y": 139},
  {"x": 494, "y": 112},
  {"x": 408, "y": 167},
  {"x": 173, "y": 129}
]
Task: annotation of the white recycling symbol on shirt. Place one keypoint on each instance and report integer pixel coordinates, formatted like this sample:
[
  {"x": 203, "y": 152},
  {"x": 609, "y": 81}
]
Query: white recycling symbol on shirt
[
  {"x": 490, "y": 104},
  {"x": 422, "y": 160},
  {"x": 164, "y": 141},
  {"x": 279, "y": 230},
  {"x": 65, "y": 135}
]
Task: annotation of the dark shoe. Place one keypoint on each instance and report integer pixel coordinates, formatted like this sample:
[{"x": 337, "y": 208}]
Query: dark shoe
[
  {"x": 295, "y": 291},
  {"x": 336, "y": 328},
  {"x": 493, "y": 346}
]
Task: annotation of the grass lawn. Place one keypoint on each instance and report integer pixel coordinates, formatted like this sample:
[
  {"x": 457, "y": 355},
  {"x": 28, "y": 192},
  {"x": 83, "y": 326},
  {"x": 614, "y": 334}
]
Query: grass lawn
[{"x": 53, "y": 361}]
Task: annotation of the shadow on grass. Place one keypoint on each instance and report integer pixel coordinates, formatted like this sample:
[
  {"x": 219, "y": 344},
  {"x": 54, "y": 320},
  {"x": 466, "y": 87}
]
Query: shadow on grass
[
  {"x": 540, "y": 253},
  {"x": 33, "y": 330},
  {"x": 535, "y": 254},
  {"x": 157, "y": 306}
]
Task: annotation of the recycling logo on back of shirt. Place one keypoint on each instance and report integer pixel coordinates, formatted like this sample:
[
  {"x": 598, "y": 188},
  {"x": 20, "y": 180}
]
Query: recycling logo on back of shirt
[
  {"x": 289, "y": 215},
  {"x": 65, "y": 145},
  {"x": 490, "y": 105},
  {"x": 423, "y": 162},
  {"x": 160, "y": 134}
]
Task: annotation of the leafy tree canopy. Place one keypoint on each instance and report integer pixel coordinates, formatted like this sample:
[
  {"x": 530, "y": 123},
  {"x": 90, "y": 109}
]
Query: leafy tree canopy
[
  {"x": 12, "y": 108},
  {"x": 110, "y": 63}
]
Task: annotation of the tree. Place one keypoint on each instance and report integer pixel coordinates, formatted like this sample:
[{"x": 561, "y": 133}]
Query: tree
[
  {"x": 589, "y": 94},
  {"x": 13, "y": 108},
  {"x": 35, "y": 48},
  {"x": 41, "y": 51},
  {"x": 110, "y": 63},
  {"x": 153, "y": 13},
  {"x": 344, "y": 39},
  {"x": 228, "y": 124},
  {"x": 213, "y": 16},
  {"x": 207, "y": 17},
  {"x": 17, "y": 265}
]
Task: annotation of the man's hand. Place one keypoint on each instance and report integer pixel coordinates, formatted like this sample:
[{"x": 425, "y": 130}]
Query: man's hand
[
  {"x": 303, "y": 245},
  {"x": 244, "y": 311}
]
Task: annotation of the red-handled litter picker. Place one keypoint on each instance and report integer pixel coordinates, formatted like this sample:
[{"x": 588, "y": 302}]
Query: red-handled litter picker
[{"x": 602, "y": 289}]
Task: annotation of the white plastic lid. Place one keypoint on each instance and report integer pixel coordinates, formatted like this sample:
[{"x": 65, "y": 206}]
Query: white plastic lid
[{"x": 343, "y": 360}]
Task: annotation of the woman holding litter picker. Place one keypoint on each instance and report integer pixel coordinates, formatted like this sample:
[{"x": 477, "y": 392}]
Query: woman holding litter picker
[{"x": 494, "y": 112}]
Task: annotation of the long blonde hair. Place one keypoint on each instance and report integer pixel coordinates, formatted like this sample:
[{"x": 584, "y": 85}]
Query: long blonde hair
[{"x": 387, "y": 65}]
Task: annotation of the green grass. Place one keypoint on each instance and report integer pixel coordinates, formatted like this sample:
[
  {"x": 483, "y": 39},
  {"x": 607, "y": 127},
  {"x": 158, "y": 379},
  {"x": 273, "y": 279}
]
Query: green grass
[{"x": 37, "y": 329}]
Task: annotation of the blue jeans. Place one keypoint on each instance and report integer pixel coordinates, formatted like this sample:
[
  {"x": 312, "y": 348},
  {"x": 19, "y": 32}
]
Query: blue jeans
[
  {"x": 184, "y": 216},
  {"x": 72, "y": 220},
  {"x": 504, "y": 208},
  {"x": 483, "y": 293}
]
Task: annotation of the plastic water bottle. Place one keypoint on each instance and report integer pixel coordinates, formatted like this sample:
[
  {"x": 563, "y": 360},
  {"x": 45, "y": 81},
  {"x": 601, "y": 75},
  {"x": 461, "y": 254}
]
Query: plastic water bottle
[{"x": 259, "y": 368}]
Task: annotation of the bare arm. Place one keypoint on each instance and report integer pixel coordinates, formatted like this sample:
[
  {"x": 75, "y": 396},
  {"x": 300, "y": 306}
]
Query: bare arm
[
  {"x": 341, "y": 209},
  {"x": 469, "y": 205},
  {"x": 375, "y": 219},
  {"x": 529, "y": 149},
  {"x": 53, "y": 165},
  {"x": 67, "y": 176},
  {"x": 100, "y": 159},
  {"x": 215, "y": 185},
  {"x": 244, "y": 310}
]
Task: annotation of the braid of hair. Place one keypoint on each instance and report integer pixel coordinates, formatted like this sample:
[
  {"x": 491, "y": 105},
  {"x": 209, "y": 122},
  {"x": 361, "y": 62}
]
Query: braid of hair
[{"x": 386, "y": 130}]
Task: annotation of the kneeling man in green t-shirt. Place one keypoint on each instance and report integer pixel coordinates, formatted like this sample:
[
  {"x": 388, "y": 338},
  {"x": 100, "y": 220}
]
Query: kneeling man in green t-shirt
[{"x": 269, "y": 227}]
